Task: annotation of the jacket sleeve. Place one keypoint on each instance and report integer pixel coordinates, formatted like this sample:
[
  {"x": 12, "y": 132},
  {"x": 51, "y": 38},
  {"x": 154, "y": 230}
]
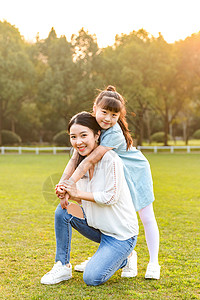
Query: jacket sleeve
[{"x": 113, "y": 182}]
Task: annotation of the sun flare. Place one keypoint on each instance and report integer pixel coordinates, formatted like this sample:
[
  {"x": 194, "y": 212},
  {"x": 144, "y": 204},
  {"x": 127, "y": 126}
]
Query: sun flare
[{"x": 174, "y": 19}]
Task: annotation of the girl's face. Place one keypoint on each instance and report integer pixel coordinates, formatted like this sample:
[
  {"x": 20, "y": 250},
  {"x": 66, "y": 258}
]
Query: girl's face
[
  {"x": 83, "y": 139},
  {"x": 105, "y": 118}
]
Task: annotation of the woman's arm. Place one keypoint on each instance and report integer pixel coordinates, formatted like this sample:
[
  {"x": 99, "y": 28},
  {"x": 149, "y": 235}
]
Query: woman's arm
[
  {"x": 77, "y": 195},
  {"x": 60, "y": 191},
  {"x": 70, "y": 168},
  {"x": 87, "y": 163},
  {"x": 66, "y": 175}
]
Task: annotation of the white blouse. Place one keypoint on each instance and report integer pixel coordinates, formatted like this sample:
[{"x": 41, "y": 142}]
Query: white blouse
[{"x": 113, "y": 212}]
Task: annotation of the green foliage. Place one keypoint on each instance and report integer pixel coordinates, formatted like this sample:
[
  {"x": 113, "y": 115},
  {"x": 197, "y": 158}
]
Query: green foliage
[
  {"x": 28, "y": 239},
  {"x": 29, "y": 115},
  {"x": 59, "y": 78},
  {"x": 16, "y": 73},
  {"x": 61, "y": 139},
  {"x": 10, "y": 138},
  {"x": 159, "y": 137},
  {"x": 196, "y": 134}
]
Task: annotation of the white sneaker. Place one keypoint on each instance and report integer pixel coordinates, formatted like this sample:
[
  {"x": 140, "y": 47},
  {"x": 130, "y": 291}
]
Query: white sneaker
[
  {"x": 57, "y": 274},
  {"x": 153, "y": 271},
  {"x": 81, "y": 267},
  {"x": 130, "y": 270}
]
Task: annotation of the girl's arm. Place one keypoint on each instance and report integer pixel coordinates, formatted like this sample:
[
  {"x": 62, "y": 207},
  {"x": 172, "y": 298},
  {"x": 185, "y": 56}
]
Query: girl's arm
[
  {"x": 113, "y": 178},
  {"x": 87, "y": 163}
]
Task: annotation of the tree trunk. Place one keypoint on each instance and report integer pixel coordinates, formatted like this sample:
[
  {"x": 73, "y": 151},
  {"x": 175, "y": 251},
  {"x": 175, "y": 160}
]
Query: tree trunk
[
  {"x": 1, "y": 122},
  {"x": 13, "y": 125},
  {"x": 166, "y": 130},
  {"x": 166, "y": 124},
  {"x": 185, "y": 132},
  {"x": 148, "y": 126},
  {"x": 141, "y": 124}
]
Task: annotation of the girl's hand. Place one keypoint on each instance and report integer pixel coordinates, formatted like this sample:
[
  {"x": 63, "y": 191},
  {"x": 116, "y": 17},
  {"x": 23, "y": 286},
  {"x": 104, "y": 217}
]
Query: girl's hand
[{"x": 60, "y": 191}]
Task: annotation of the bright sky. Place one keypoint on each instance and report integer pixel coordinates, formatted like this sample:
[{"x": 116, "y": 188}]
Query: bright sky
[{"x": 175, "y": 19}]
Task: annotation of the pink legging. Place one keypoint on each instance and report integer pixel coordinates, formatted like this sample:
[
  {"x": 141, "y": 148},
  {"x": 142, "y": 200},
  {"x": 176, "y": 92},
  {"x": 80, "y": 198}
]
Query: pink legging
[{"x": 151, "y": 231}]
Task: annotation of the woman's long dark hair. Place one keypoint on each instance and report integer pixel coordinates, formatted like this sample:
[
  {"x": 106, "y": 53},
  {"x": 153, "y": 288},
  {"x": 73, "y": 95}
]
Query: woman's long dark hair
[
  {"x": 85, "y": 119},
  {"x": 109, "y": 99}
]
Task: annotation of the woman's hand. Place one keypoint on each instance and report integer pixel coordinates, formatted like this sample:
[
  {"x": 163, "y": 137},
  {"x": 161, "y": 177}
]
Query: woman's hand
[
  {"x": 70, "y": 187},
  {"x": 64, "y": 201}
]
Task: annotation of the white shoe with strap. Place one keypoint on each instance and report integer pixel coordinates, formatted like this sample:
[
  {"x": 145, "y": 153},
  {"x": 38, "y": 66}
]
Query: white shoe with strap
[
  {"x": 130, "y": 270},
  {"x": 153, "y": 271},
  {"x": 57, "y": 274},
  {"x": 81, "y": 267}
]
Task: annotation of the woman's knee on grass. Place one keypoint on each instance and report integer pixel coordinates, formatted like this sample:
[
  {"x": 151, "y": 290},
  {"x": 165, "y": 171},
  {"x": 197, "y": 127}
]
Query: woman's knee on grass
[{"x": 92, "y": 277}]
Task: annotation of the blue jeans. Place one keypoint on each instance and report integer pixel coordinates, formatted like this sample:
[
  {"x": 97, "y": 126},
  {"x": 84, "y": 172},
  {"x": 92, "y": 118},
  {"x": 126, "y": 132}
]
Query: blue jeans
[{"x": 110, "y": 256}]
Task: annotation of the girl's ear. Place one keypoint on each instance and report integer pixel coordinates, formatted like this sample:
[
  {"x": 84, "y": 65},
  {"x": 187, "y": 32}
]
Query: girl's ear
[{"x": 94, "y": 108}]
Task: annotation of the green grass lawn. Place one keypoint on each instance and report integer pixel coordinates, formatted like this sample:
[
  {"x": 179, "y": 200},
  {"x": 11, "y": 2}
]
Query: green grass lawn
[{"x": 28, "y": 244}]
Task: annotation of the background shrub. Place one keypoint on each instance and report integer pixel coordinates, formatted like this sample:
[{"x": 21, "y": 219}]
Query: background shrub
[
  {"x": 61, "y": 139},
  {"x": 10, "y": 138},
  {"x": 159, "y": 137},
  {"x": 196, "y": 134}
]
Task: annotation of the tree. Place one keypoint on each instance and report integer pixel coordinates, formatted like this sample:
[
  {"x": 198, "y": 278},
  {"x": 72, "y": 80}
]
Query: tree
[
  {"x": 189, "y": 73},
  {"x": 166, "y": 82},
  {"x": 87, "y": 60},
  {"x": 127, "y": 64},
  {"x": 55, "y": 90},
  {"x": 16, "y": 73}
]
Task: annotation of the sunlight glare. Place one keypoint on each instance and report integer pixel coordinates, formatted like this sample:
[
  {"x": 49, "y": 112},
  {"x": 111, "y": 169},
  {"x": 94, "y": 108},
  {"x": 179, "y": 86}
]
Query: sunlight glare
[{"x": 174, "y": 19}]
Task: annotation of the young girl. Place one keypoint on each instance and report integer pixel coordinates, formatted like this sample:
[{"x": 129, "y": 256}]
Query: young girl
[{"x": 110, "y": 113}]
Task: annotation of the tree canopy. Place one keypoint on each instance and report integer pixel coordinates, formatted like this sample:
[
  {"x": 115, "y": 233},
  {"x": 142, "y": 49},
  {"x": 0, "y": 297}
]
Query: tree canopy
[{"x": 42, "y": 85}]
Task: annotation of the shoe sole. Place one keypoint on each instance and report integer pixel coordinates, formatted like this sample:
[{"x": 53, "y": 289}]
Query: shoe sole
[
  {"x": 152, "y": 277},
  {"x": 79, "y": 270},
  {"x": 64, "y": 278},
  {"x": 128, "y": 275}
]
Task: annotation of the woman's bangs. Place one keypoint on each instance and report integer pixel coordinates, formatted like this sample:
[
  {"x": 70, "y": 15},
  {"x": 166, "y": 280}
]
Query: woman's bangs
[{"x": 110, "y": 104}]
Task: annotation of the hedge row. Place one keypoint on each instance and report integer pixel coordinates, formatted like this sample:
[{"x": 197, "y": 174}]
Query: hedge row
[
  {"x": 10, "y": 138},
  {"x": 62, "y": 138}
]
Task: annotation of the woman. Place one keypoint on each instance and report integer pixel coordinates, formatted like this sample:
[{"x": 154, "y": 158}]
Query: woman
[{"x": 106, "y": 204}]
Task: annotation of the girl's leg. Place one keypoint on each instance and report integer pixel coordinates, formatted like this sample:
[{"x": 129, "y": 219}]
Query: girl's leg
[
  {"x": 63, "y": 230},
  {"x": 111, "y": 255},
  {"x": 151, "y": 232}
]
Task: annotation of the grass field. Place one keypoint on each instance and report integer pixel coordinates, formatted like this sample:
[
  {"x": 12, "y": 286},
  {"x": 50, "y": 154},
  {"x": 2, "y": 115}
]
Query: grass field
[{"x": 28, "y": 244}]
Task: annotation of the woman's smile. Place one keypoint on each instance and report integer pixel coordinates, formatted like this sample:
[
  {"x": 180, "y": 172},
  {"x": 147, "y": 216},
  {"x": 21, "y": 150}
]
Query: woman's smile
[
  {"x": 83, "y": 139},
  {"x": 81, "y": 148}
]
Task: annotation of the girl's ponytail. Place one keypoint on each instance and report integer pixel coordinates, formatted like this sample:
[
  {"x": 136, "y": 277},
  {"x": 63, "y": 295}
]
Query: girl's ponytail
[
  {"x": 110, "y": 88},
  {"x": 124, "y": 127}
]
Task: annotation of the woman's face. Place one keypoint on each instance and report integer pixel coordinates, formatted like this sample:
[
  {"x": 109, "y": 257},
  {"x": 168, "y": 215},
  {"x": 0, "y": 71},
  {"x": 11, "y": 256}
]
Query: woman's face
[{"x": 83, "y": 139}]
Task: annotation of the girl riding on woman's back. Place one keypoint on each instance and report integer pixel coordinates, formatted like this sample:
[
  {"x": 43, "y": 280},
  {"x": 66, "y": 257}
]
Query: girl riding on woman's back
[{"x": 110, "y": 112}]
